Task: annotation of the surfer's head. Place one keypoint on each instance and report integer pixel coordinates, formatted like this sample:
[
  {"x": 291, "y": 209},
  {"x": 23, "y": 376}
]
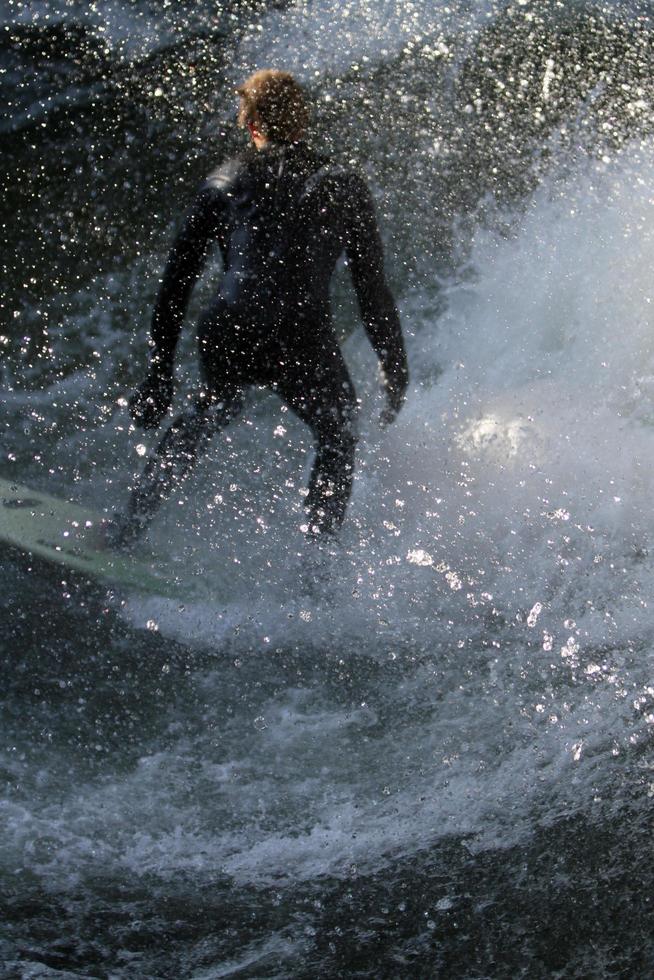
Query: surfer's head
[{"x": 273, "y": 107}]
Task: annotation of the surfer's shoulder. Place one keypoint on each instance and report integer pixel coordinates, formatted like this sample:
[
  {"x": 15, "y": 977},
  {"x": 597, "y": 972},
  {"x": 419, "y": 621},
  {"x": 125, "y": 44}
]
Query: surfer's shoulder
[
  {"x": 339, "y": 181},
  {"x": 323, "y": 170},
  {"x": 226, "y": 175}
]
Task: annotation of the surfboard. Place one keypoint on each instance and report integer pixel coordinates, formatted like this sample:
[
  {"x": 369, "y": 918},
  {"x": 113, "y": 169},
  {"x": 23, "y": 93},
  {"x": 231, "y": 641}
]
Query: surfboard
[{"x": 64, "y": 533}]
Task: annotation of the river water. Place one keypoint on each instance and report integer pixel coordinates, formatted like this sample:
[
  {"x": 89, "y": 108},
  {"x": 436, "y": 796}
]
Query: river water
[{"x": 426, "y": 751}]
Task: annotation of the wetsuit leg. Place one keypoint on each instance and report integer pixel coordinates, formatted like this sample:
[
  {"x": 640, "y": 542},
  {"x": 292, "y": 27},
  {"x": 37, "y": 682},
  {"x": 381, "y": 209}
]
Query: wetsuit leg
[
  {"x": 327, "y": 404},
  {"x": 182, "y": 445},
  {"x": 219, "y": 401}
]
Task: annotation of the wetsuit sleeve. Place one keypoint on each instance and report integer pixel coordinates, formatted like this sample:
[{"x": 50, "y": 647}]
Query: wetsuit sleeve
[
  {"x": 378, "y": 311},
  {"x": 185, "y": 263}
]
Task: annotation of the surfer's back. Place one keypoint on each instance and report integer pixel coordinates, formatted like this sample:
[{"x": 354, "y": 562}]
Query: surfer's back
[{"x": 286, "y": 214}]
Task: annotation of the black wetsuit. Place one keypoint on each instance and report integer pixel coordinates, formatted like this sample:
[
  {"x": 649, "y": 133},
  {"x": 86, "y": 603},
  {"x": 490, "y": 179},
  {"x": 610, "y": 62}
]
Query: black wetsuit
[{"x": 281, "y": 217}]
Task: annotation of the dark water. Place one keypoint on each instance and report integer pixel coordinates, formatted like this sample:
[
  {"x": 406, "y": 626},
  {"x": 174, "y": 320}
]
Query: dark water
[{"x": 428, "y": 753}]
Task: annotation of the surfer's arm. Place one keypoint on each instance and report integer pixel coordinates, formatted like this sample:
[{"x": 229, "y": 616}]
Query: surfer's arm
[
  {"x": 378, "y": 310},
  {"x": 185, "y": 263},
  {"x": 153, "y": 397}
]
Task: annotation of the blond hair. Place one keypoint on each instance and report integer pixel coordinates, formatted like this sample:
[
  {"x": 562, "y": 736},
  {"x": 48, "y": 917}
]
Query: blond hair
[{"x": 274, "y": 102}]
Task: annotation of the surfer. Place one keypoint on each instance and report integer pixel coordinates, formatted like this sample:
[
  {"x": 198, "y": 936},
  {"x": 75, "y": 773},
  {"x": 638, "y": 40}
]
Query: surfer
[{"x": 281, "y": 215}]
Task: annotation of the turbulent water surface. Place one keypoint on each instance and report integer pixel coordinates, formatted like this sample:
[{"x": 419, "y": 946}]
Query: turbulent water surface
[{"x": 427, "y": 750}]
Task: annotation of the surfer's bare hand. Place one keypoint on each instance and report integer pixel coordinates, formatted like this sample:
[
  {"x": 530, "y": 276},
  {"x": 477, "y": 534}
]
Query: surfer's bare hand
[{"x": 151, "y": 400}]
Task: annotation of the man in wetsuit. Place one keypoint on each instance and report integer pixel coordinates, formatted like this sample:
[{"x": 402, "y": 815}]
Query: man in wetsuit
[{"x": 281, "y": 215}]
